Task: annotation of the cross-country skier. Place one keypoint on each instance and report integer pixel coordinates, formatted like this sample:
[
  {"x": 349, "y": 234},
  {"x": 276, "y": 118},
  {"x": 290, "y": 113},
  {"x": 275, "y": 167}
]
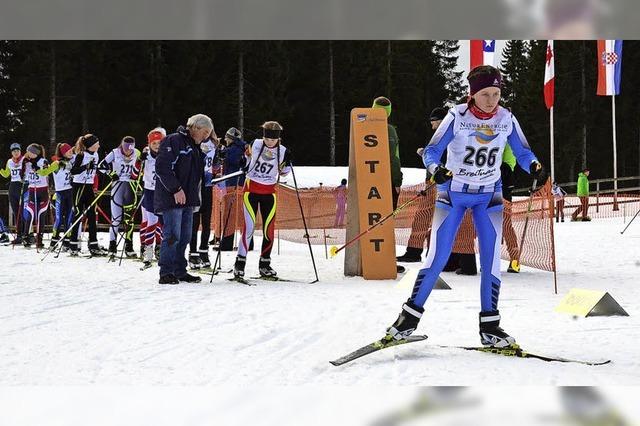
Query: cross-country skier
[
  {"x": 150, "y": 228},
  {"x": 120, "y": 165},
  {"x": 37, "y": 197},
  {"x": 84, "y": 165},
  {"x": 199, "y": 255},
  {"x": 13, "y": 169},
  {"x": 267, "y": 161},
  {"x": 474, "y": 135},
  {"x": 61, "y": 168}
]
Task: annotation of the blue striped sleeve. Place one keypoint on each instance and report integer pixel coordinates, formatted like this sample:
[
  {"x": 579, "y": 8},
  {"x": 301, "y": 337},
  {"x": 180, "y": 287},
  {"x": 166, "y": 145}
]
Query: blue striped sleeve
[
  {"x": 441, "y": 138},
  {"x": 520, "y": 147}
]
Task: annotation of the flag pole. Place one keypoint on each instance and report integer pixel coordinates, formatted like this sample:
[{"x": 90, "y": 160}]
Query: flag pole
[
  {"x": 615, "y": 154},
  {"x": 552, "y": 157}
]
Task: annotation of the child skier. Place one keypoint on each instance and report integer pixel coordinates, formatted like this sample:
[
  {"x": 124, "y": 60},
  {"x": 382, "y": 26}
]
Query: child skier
[
  {"x": 268, "y": 160},
  {"x": 150, "y": 228},
  {"x": 37, "y": 197},
  {"x": 61, "y": 168},
  {"x": 120, "y": 165},
  {"x": 199, "y": 257},
  {"x": 474, "y": 135},
  {"x": 13, "y": 169},
  {"x": 84, "y": 165}
]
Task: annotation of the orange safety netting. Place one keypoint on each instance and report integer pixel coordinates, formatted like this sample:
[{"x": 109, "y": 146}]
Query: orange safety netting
[{"x": 412, "y": 224}]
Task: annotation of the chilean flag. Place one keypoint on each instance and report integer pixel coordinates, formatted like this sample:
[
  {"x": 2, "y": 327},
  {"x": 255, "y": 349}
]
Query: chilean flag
[
  {"x": 549, "y": 76},
  {"x": 609, "y": 67},
  {"x": 482, "y": 52}
]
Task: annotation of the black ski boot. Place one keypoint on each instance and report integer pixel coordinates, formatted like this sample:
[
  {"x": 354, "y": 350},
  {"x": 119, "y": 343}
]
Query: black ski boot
[
  {"x": 96, "y": 250},
  {"x": 168, "y": 279},
  {"x": 238, "y": 267},
  {"x": 188, "y": 278},
  {"x": 412, "y": 255},
  {"x": 4, "y": 239},
  {"x": 129, "y": 252},
  {"x": 406, "y": 323},
  {"x": 39, "y": 243},
  {"x": 490, "y": 332},
  {"x": 194, "y": 261},
  {"x": 265, "y": 268},
  {"x": 204, "y": 259},
  {"x": 28, "y": 240},
  {"x": 113, "y": 248}
]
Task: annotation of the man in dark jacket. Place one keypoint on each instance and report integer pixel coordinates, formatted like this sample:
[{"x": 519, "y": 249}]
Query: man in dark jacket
[{"x": 179, "y": 168}]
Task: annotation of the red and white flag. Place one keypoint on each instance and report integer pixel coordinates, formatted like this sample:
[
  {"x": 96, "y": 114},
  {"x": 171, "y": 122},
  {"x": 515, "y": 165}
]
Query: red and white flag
[
  {"x": 609, "y": 67},
  {"x": 549, "y": 76},
  {"x": 482, "y": 53}
]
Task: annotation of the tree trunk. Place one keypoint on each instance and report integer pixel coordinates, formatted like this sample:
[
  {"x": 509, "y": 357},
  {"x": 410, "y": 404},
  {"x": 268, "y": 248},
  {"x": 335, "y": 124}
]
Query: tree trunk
[
  {"x": 152, "y": 91},
  {"x": 584, "y": 108},
  {"x": 241, "y": 89},
  {"x": 158, "y": 88},
  {"x": 332, "y": 114},
  {"x": 84, "y": 103},
  {"x": 388, "y": 94},
  {"x": 52, "y": 101}
]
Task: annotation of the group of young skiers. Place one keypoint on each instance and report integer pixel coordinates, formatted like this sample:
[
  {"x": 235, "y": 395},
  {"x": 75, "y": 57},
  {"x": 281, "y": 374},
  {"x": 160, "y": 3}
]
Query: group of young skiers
[
  {"x": 72, "y": 176},
  {"x": 473, "y": 134}
]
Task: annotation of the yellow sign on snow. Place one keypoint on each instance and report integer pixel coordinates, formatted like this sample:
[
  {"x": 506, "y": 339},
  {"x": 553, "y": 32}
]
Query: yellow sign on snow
[{"x": 588, "y": 303}]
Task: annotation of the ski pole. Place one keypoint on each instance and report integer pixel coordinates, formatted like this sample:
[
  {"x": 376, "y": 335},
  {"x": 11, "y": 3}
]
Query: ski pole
[
  {"x": 223, "y": 230},
  {"x": 93, "y": 203},
  {"x": 131, "y": 224},
  {"x": 304, "y": 222},
  {"x": 229, "y": 176},
  {"x": 20, "y": 212},
  {"x": 335, "y": 250},
  {"x": 634, "y": 216},
  {"x": 526, "y": 220}
]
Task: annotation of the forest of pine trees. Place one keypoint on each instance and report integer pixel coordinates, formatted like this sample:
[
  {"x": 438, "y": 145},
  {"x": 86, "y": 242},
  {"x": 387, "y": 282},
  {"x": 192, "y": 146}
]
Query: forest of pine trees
[{"x": 53, "y": 91}]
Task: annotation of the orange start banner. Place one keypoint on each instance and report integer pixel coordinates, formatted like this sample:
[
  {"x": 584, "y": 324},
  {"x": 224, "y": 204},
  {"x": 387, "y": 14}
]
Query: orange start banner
[{"x": 369, "y": 197}]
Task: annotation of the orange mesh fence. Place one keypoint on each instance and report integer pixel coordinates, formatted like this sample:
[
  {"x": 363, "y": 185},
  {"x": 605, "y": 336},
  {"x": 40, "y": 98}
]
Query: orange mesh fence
[
  {"x": 412, "y": 224},
  {"x": 603, "y": 206}
]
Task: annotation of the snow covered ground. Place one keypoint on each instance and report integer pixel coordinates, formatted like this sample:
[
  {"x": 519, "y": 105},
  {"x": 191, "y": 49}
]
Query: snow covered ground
[
  {"x": 313, "y": 176},
  {"x": 76, "y": 321}
]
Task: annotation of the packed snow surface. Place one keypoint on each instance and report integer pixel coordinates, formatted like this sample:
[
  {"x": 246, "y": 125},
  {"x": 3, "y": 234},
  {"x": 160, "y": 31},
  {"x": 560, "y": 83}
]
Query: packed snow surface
[{"x": 78, "y": 321}]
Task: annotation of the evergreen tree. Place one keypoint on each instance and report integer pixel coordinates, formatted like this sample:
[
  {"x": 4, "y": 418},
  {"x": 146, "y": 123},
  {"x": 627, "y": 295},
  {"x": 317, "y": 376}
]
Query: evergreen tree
[
  {"x": 446, "y": 58},
  {"x": 12, "y": 106},
  {"x": 514, "y": 67}
]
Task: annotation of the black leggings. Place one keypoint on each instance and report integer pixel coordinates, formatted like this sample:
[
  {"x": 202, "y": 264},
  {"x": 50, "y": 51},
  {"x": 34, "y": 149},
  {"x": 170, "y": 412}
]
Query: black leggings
[
  {"x": 202, "y": 216},
  {"x": 16, "y": 189},
  {"x": 82, "y": 198}
]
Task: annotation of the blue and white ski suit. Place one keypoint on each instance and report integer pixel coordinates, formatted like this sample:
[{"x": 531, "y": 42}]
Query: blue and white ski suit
[{"x": 474, "y": 155}]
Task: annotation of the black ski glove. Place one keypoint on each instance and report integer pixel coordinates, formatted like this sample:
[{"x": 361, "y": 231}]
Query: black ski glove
[
  {"x": 288, "y": 157},
  {"x": 442, "y": 175},
  {"x": 537, "y": 172},
  {"x": 114, "y": 177}
]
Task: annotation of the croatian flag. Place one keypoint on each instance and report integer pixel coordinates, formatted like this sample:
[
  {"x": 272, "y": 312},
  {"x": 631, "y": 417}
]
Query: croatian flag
[
  {"x": 609, "y": 67},
  {"x": 482, "y": 52},
  {"x": 549, "y": 76}
]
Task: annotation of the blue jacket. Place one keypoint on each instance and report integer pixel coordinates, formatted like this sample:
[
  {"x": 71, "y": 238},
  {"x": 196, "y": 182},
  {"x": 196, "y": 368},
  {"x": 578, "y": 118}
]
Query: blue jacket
[
  {"x": 179, "y": 165},
  {"x": 234, "y": 161}
]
